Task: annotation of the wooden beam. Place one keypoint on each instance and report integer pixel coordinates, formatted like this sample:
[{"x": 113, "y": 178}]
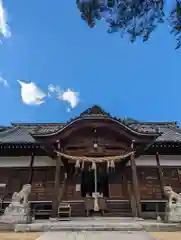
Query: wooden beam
[
  {"x": 30, "y": 177},
  {"x": 55, "y": 200},
  {"x": 136, "y": 193},
  {"x": 49, "y": 148},
  {"x": 160, "y": 175}
]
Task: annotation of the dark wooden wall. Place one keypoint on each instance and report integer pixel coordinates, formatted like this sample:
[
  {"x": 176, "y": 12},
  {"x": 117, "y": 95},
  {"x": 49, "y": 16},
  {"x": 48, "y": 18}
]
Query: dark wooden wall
[
  {"x": 42, "y": 185},
  {"x": 43, "y": 182},
  {"x": 149, "y": 183}
]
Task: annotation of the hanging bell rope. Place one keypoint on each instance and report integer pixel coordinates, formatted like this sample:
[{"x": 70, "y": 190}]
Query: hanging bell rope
[
  {"x": 83, "y": 165},
  {"x": 77, "y": 164},
  {"x": 112, "y": 165},
  {"x": 93, "y": 165},
  {"x": 95, "y": 159}
]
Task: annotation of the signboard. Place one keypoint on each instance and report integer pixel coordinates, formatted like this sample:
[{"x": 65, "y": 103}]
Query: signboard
[{"x": 77, "y": 187}]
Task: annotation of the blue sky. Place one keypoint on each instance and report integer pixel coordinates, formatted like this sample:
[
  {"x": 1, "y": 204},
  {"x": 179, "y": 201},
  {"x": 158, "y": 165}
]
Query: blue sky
[{"x": 50, "y": 44}]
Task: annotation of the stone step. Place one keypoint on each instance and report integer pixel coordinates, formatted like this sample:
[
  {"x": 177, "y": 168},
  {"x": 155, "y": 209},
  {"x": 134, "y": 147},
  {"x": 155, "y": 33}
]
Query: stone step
[
  {"x": 121, "y": 209},
  {"x": 119, "y": 214},
  {"x": 101, "y": 224}
]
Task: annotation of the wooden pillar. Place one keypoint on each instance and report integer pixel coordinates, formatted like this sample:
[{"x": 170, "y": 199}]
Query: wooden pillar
[
  {"x": 124, "y": 181},
  {"x": 179, "y": 174},
  {"x": 55, "y": 200},
  {"x": 136, "y": 193},
  {"x": 160, "y": 175},
  {"x": 30, "y": 177},
  {"x": 64, "y": 188},
  {"x": 64, "y": 183}
]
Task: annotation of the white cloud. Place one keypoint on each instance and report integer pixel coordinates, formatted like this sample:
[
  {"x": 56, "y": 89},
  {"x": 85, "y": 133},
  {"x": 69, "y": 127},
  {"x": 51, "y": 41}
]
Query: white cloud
[
  {"x": 49, "y": 94},
  {"x": 71, "y": 97},
  {"x": 4, "y": 82},
  {"x": 4, "y": 28},
  {"x": 52, "y": 89},
  {"x": 31, "y": 94}
]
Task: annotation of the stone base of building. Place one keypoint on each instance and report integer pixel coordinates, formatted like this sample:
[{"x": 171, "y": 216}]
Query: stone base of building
[{"x": 98, "y": 224}]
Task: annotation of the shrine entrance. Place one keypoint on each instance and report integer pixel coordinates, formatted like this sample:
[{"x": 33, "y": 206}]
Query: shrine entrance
[
  {"x": 95, "y": 187},
  {"x": 94, "y": 172},
  {"x": 94, "y": 179}
]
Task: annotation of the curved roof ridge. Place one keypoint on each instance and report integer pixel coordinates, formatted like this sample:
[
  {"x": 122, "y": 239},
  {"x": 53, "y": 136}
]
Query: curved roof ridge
[
  {"x": 35, "y": 124},
  {"x": 174, "y": 123},
  {"x": 87, "y": 117}
]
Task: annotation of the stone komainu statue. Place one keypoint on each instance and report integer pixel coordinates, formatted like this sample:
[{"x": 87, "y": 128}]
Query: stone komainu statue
[
  {"x": 18, "y": 210},
  {"x": 173, "y": 208},
  {"x": 171, "y": 195},
  {"x": 22, "y": 196}
]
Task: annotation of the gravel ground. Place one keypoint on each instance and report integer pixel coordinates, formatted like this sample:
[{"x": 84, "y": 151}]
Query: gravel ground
[
  {"x": 19, "y": 236},
  {"x": 167, "y": 235}
]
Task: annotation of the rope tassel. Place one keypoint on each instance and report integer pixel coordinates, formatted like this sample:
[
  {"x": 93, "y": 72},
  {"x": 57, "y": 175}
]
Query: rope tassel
[
  {"x": 108, "y": 166},
  {"x": 83, "y": 165},
  {"x": 93, "y": 165},
  {"x": 77, "y": 165},
  {"x": 112, "y": 164}
]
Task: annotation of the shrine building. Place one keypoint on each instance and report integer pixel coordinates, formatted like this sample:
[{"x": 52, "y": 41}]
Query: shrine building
[{"x": 120, "y": 165}]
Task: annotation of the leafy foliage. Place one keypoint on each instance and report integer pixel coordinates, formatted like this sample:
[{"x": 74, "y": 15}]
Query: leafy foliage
[
  {"x": 136, "y": 18},
  {"x": 175, "y": 23}
]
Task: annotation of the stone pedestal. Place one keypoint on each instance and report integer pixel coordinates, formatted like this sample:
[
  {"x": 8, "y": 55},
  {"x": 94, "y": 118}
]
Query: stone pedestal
[
  {"x": 173, "y": 215},
  {"x": 173, "y": 207},
  {"x": 16, "y": 214}
]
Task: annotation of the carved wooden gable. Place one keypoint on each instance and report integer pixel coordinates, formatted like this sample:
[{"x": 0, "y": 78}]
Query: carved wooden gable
[{"x": 87, "y": 142}]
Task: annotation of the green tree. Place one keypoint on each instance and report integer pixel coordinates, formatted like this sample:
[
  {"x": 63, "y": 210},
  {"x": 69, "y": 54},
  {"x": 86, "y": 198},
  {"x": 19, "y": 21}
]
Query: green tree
[{"x": 137, "y": 18}]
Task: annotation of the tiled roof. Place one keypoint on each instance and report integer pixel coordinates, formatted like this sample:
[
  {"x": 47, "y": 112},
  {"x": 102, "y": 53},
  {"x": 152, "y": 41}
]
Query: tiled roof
[
  {"x": 2, "y": 128},
  {"x": 16, "y": 135},
  {"x": 23, "y": 133},
  {"x": 169, "y": 132},
  {"x": 47, "y": 129},
  {"x": 40, "y": 128},
  {"x": 144, "y": 128}
]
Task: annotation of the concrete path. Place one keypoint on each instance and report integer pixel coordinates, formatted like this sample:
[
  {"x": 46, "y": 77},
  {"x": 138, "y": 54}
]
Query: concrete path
[
  {"x": 98, "y": 224},
  {"x": 96, "y": 236},
  {"x": 82, "y": 235}
]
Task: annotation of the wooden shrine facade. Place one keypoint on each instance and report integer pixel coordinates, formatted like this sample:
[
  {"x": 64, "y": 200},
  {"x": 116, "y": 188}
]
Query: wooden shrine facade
[{"x": 133, "y": 161}]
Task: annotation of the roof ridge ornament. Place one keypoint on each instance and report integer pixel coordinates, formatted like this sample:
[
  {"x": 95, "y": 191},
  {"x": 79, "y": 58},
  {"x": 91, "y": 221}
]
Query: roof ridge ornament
[{"x": 95, "y": 110}]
